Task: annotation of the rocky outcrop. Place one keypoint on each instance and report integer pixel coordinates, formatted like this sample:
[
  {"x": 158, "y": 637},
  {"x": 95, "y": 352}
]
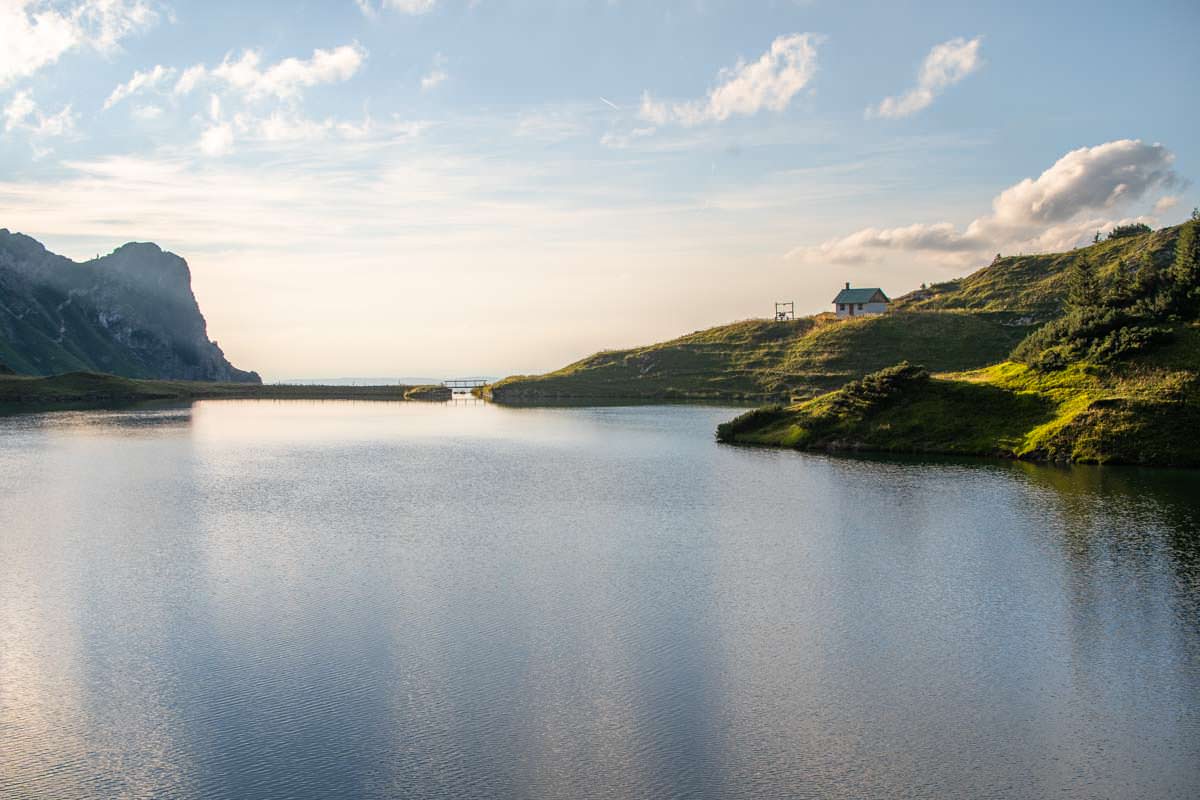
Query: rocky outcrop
[{"x": 130, "y": 313}]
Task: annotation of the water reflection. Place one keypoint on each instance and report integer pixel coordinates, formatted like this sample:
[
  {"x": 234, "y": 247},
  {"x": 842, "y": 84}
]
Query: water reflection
[{"x": 275, "y": 599}]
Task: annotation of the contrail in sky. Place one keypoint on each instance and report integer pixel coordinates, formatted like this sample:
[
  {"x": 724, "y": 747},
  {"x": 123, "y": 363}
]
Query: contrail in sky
[{"x": 608, "y": 102}]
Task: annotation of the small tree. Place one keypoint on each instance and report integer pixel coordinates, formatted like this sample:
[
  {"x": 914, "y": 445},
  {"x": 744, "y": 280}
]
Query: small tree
[
  {"x": 1185, "y": 271},
  {"x": 1123, "y": 287},
  {"x": 1081, "y": 284},
  {"x": 1096, "y": 238}
]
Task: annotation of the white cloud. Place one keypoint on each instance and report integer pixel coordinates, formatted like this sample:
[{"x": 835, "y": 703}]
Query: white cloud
[
  {"x": 217, "y": 139},
  {"x": 947, "y": 64},
  {"x": 147, "y": 113},
  {"x": 22, "y": 113},
  {"x": 190, "y": 79},
  {"x": 433, "y": 79},
  {"x": 18, "y": 109},
  {"x": 415, "y": 7},
  {"x": 437, "y": 75},
  {"x": 36, "y": 33},
  {"x": 246, "y": 83},
  {"x": 550, "y": 125},
  {"x": 410, "y": 6},
  {"x": 1166, "y": 203},
  {"x": 770, "y": 82},
  {"x": 139, "y": 82},
  {"x": 1090, "y": 178},
  {"x": 281, "y": 128},
  {"x": 1055, "y": 211},
  {"x": 620, "y": 141},
  {"x": 284, "y": 80},
  {"x": 59, "y": 124}
]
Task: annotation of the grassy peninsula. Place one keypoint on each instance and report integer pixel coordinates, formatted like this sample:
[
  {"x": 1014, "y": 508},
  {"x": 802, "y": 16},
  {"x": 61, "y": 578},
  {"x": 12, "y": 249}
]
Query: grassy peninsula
[
  {"x": 1109, "y": 373},
  {"x": 91, "y": 388}
]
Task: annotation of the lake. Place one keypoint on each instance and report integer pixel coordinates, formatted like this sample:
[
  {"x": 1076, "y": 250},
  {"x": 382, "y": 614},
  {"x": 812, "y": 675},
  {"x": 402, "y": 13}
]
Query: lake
[{"x": 339, "y": 600}]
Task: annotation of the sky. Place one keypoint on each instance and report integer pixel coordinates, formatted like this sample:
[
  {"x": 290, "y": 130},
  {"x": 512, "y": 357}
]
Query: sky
[{"x": 452, "y": 187}]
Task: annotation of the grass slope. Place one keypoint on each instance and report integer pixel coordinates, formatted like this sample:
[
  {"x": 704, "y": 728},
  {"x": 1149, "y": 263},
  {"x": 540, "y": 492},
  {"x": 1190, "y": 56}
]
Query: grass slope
[
  {"x": 1135, "y": 414},
  {"x": 957, "y": 325},
  {"x": 763, "y": 359},
  {"x": 1114, "y": 378},
  {"x": 1037, "y": 284},
  {"x": 90, "y": 387}
]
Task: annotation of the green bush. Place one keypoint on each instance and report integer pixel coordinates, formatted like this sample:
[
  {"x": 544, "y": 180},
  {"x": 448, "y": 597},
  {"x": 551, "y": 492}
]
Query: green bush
[
  {"x": 876, "y": 390},
  {"x": 1132, "y": 229},
  {"x": 754, "y": 419},
  {"x": 1097, "y": 334}
]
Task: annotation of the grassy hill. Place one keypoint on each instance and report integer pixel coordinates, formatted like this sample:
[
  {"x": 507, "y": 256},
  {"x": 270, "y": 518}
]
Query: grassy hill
[
  {"x": 762, "y": 359},
  {"x": 1112, "y": 377},
  {"x": 1037, "y": 284},
  {"x": 953, "y": 326}
]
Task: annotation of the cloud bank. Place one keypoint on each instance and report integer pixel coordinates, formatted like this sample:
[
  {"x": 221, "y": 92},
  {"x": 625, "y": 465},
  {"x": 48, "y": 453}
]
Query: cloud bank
[{"x": 1057, "y": 210}]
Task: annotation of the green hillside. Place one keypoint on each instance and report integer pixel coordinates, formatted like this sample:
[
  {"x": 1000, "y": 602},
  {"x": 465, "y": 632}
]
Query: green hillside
[
  {"x": 1112, "y": 377},
  {"x": 953, "y": 326},
  {"x": 762, "y": 359},
  {"x": 1037, "y": 284}
]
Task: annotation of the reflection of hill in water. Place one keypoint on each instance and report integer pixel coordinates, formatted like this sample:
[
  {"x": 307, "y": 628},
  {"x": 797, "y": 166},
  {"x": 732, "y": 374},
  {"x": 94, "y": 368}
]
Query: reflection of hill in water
[
  {"x": 1145, "y": 513},
  {"x": 117, "y": 418}
]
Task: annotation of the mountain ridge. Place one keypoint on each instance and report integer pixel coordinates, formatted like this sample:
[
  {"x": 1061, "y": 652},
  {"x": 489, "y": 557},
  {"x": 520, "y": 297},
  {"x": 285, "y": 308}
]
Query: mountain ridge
[{"x": 131, "y": 313}]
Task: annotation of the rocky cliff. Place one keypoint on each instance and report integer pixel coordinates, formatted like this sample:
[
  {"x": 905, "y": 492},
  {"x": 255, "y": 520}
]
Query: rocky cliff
[{"x": 130, "y": 313}]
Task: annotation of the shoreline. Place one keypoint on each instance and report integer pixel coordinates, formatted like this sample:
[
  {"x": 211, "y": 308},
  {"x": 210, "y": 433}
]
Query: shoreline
[{"x": 89, "y": 387}]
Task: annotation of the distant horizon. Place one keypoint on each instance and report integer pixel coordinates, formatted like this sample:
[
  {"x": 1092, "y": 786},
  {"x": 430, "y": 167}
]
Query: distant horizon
[
  {"x": 452, "y": 183},
  {"x": 493, "y": 374},
  {"x": 379, "y": 380}
]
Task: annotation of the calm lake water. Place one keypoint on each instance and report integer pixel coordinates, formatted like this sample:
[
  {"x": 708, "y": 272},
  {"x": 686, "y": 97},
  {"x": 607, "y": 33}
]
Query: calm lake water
[{"x": 342, "y": 600}]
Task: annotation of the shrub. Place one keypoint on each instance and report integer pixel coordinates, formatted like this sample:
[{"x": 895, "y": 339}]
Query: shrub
[
  {"x": 873, "y": 391},
  {"x": 1132, "y": 229},
  {"x": 1107, "y": 323},
  {"x": 751, "y": 420},
  {"x": 1098, "y": 334}
]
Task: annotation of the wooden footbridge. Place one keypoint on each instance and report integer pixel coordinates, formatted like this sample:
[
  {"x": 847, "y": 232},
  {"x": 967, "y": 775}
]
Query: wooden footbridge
[{"x": 465, "y": 384}]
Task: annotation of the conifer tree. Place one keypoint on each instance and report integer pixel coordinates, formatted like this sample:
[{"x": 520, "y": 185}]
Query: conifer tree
[
  {"x": 1081, "y": 284},
  {"x": 1185, "y": 271}
]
